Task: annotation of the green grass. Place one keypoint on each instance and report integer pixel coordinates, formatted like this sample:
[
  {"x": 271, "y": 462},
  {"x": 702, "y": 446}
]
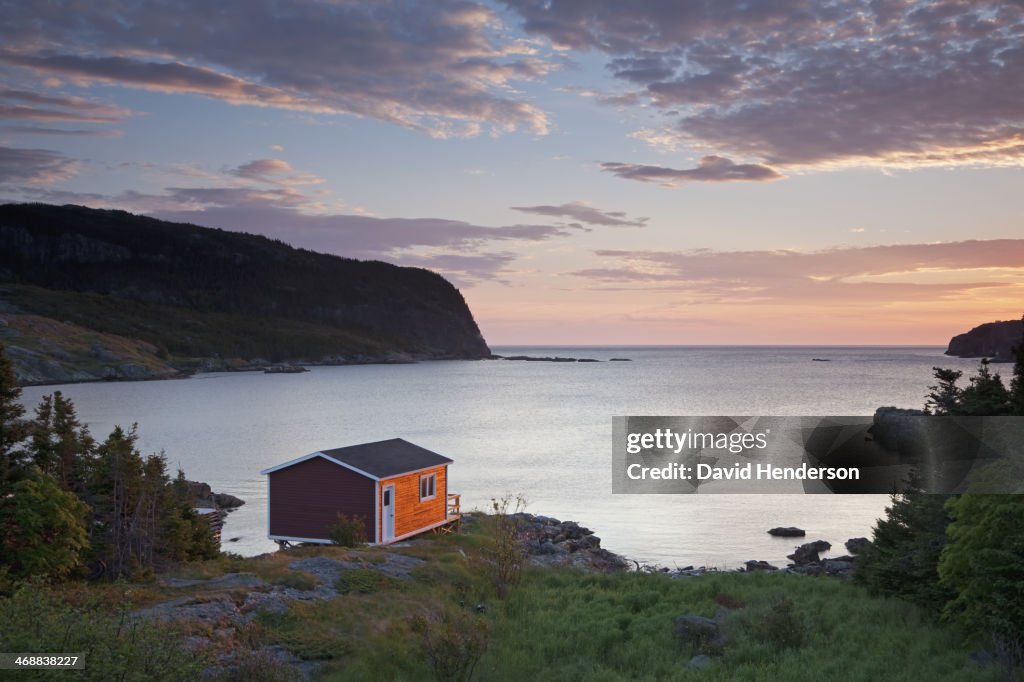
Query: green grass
[{"x": 563, "y": 624}]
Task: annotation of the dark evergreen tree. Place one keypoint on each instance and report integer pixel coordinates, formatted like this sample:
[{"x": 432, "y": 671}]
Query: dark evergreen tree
[
  {"x": 1017, "y": 382},
  {"x": 186, "y": 535},
  {"x": 13, "y": 427},
  {"x": 945, "y": 395},
  {"x": 986, "y": 396},
  {"x": 903, "y": 558},
  {"x": 141, "y": 517}
]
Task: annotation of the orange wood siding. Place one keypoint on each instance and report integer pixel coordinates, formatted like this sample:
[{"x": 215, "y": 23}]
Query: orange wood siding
[{"x": 410, "y": 513}]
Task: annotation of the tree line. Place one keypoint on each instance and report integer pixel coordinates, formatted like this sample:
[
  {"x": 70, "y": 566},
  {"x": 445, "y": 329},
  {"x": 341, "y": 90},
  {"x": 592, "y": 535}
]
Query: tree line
[
  {"x": 74, "y": 506},
  {"x": 960, "y": 556}
]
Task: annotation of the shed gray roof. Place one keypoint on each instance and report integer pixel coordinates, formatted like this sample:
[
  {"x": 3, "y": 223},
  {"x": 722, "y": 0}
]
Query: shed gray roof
[{"x": 387, "y": 458}]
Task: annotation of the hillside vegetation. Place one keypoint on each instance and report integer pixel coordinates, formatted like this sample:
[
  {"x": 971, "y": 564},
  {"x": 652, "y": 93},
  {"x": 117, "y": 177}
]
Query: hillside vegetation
[{"x": 202, "y": 297}]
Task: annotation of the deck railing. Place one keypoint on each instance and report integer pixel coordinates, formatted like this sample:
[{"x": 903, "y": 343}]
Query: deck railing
[{"x": 454, "y": 504}]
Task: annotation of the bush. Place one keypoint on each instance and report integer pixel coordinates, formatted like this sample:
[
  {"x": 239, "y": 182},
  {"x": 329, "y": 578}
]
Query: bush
[
  {"x": 348, "y": 531},
  {"x": 781, "y": 625},
  {"x": 42, "y": 529},
  {"x": 505, "y": 557},
  {"x": 452, "y": 642}
]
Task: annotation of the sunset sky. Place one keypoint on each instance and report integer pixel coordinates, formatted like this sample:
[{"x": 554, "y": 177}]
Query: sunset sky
[{"x": 584, "y": 171}]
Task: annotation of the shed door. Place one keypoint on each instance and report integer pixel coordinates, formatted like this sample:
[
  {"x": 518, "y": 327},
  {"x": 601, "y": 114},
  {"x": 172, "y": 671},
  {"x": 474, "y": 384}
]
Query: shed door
[{"x": 388, "y": 510}]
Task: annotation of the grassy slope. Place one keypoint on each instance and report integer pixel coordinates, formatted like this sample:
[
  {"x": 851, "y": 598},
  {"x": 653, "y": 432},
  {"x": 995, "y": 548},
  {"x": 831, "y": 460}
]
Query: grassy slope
[
  {"x": 42, "y": 347},
  {"x": 563, "y": 624},
  {"x": 182, "y": 334}
]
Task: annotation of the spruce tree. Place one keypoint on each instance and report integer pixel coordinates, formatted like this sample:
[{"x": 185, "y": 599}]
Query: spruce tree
[
  {"x": 945, "y": 395},
  {"x": 1017, "y": 382},
  {"x": 986, "y": 396},
  {"x": 13, "y": 428}
]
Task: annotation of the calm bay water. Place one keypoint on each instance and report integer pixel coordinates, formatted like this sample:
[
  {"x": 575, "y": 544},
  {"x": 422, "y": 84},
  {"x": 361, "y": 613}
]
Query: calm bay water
[{"x": 536, "y": 428}]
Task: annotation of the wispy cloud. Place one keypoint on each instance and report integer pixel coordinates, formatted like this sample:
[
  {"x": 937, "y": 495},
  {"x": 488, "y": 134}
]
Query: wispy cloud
[
  {"x": 275, "y": 172},
  {"x": 801, "y": 83},
  {"x": 47, "y": 108},
  {"x": 875, "y": 275},
  {"x": 708, "y": 169},
  {"x": 60, "y": 132},
  {"x": 584, "y": 213},
  {"x": 34, "y": 166},
  {"x": 444, "y": 67}
]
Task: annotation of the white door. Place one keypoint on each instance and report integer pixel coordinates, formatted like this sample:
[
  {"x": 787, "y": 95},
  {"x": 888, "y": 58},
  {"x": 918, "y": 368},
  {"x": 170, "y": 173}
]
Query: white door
[{"x": 388, "y": 509}]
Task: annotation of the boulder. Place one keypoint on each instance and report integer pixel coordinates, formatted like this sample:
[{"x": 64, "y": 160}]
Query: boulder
[
  {"x": 694, "y": 629},
  {"x": 699, "y": 661},
  {"x": 808, "y": 553},
  {"x": 756, "y": 565},
  {"x": 226, "y": 501},
  {"x": 837, "y": 568},
  {"x": 857, "y": 545},
  {"x": 788, "y": 532}
]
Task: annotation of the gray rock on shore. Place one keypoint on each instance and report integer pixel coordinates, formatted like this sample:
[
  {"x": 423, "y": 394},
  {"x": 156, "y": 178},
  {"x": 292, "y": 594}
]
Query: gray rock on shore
[
  {"x": 857, "y": 545},
  {"x": 808, "y": 553},
  {"x": 788, "y": 532},
  {"x": 550, "y": 542}
]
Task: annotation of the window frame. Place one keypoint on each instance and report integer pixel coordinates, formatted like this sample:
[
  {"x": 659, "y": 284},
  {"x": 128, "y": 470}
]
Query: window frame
[{"x": 428, "y": 482}]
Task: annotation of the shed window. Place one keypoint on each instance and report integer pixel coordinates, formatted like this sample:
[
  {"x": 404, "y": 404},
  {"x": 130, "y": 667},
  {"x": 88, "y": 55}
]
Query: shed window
[{"x": 428, "y": 487}]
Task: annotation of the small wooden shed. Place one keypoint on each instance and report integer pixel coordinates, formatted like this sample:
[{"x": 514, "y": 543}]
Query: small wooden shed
[{"x": 400, "y": 489}]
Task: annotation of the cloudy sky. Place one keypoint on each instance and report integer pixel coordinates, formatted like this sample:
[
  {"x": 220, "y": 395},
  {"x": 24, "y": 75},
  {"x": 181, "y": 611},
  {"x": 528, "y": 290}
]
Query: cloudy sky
[{"x": 586, "y": 171}]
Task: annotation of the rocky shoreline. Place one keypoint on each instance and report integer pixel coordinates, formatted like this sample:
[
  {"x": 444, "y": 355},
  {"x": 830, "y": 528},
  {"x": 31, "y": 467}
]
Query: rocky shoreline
[
  {"x": 34, "y": 369},
  {"x": 547, "y": 541}
]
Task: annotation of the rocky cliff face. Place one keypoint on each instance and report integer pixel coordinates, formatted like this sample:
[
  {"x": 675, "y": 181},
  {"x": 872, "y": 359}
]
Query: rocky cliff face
[
  {"x": 202, "y": 297},
  {"x": 993, "y": 340}
]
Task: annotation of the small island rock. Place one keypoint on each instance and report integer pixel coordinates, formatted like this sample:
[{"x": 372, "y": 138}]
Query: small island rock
[{"x": 788, "y": 532}]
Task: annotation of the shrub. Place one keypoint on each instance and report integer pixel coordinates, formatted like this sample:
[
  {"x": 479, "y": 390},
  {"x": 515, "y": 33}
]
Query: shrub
[
  {"x": 505, "y": 557},
  {"x": 452, "y": 642},
  {"x": 781, "y": 625},
  {"x": 42, "y": 530},
  {"x": 348, "y": 531}
]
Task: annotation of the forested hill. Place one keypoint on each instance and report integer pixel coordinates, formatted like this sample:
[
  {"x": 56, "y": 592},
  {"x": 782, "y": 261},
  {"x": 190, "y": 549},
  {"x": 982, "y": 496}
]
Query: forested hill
[
  {"x": 128, "y": 286},
  {"x": 994, "y": 340}
]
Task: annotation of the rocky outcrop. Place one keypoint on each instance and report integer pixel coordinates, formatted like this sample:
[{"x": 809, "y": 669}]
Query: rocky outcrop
[
  {"x": 857, "y": 545},
  {"x": 788, "y": 532},
  {"x": 898, "y": 429},
  {"x": 994, "y": 340},
  {"x": 758, "y": 565},
  {"x": 550, "y": 542},
  {"x": 533, "y": 358},
  {"x": 46, "y": 351},
  {"x": 808, "y": 553},
  {"x": 203, "y": 496}
]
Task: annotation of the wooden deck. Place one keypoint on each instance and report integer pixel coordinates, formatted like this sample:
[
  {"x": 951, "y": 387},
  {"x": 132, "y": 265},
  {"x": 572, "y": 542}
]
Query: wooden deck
[{"x": 453, "y": 520}]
